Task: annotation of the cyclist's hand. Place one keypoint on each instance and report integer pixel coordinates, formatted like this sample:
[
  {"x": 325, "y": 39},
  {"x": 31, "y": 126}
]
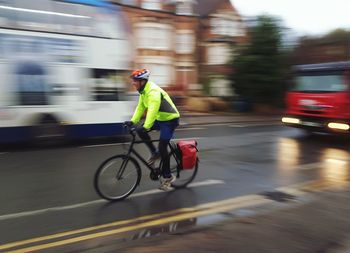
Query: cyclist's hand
[
  {"x": 140, "y": 129},
  {"x": 128, "y": 123}
]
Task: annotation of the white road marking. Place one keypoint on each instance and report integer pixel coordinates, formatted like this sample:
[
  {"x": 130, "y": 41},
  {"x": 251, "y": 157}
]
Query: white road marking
[
  {"x": 241, "y": 124},
  {"x": 103, "y": 145},
  {"x": 309, "y": 166},
  {"x": 196, "y": 184},
  {"x": 237, "y": 125},
  {"x": 190, "y": 128},
  {"x": 79, "y": 205},
  {"x": 190, "y": 138},
  {"x": 255, "y": 124},
  {"x": 127, "y": 143},
  {"x": 4, "y": 153},
  {"x": 215, "y": 124}
]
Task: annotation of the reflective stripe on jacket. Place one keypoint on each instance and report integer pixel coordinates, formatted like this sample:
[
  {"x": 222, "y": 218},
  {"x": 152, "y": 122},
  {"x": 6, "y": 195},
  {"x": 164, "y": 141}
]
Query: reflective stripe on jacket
[{"x": 158, "y": 104}]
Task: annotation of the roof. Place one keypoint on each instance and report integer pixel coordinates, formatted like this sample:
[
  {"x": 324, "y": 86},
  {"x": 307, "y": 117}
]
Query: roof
[
  {"x": 329, "y": 66},
  {"x": 204, "y": 7},
  {"x": 201, "y": 8}
]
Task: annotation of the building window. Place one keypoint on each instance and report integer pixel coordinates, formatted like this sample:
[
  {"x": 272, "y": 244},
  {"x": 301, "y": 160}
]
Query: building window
[
  {"x": 185, "y": 42},
  {"x": 151, "y": 4},
  {"x": 154, "y": 36},
  {"x": 184, "y": 8},
  {"x": 220, "y": 88},
  {"x": 218, "y": 54},
  {"x": 161, "y": 73},
  {"x": 225, "y": 26}
]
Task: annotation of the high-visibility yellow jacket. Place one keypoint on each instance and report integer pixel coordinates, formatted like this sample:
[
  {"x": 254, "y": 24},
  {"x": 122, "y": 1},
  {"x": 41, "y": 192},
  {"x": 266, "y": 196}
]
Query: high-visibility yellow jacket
[{"x": 158, "y": 104}]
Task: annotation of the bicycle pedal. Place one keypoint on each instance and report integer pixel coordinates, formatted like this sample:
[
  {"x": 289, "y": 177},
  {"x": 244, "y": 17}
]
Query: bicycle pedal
[{"x": 154, "y": 176}]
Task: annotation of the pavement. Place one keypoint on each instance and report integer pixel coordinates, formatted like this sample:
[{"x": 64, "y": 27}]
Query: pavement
[
  {"x": 317, "y": 223},
  {"x": 197, "y": 118}
]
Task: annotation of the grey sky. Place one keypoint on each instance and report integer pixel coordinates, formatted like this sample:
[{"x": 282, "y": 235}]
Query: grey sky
[{"x": 311, "y": 17}]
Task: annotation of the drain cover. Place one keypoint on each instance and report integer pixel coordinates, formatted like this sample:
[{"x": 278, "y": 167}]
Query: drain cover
[{"x": 278, "y": 196}]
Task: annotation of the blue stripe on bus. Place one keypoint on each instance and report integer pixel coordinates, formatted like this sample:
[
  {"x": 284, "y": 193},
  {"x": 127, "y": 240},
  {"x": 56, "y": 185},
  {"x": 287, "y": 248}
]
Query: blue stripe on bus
[
  {"x": 19, "y": 134},
  {"x": 14, "y": 134},
  {"x": 94, "y": 130}
]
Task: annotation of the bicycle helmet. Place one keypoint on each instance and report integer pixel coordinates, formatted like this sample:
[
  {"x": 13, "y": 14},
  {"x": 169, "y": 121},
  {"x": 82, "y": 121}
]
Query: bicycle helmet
[{"x": 140, "y": 74}]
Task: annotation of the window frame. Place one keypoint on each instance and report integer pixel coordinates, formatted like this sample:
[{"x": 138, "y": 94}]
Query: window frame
[
  {"x": 161, "y": 41},
  {"x": 189, "y": 44},
  {"x": 151, "y": 5}
]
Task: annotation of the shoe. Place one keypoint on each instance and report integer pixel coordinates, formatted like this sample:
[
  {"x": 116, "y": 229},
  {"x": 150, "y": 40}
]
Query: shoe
[
  {"x": 154, "y": 157},
  {"x": 165, "y": 183}
]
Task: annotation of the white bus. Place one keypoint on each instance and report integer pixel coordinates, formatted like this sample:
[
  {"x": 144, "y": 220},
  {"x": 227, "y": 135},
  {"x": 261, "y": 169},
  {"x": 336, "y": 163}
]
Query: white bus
[{"x": 62, "y": 64}]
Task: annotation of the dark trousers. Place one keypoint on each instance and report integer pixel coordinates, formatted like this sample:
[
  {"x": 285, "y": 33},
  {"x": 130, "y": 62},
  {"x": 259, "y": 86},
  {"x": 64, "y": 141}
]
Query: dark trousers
[{"x": 167, "y": 129}]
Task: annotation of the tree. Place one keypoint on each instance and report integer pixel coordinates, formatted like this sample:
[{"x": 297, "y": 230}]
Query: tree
[{"x": 259, "y": 66}]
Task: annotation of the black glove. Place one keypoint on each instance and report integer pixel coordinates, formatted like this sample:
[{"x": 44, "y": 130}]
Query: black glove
[
  {"x": 128, "y": 123},
  {"x": 140, "y": 129}
]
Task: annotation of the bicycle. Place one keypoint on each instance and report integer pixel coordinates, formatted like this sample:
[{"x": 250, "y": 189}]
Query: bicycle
[{"x": 118, "y": 176}]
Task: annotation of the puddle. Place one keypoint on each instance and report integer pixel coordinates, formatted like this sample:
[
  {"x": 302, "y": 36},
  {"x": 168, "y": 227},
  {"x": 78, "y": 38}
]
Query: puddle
[
  {"x": 177, "y": 227},
  {"x": 278, "y": 196}
]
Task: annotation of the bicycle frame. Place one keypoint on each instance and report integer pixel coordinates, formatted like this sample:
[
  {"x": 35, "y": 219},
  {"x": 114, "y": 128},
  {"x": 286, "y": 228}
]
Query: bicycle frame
[
  {"x": 131, "y": 150},
  {"x": 116, "y": 191}
]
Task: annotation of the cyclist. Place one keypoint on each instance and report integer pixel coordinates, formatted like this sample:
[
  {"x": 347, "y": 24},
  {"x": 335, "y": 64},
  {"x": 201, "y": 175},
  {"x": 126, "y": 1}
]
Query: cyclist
[{"x": 162, "y": 115}]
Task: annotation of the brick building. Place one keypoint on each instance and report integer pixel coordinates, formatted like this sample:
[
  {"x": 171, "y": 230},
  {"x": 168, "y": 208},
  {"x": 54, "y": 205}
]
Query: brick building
[{"x": 184, "y": 43}]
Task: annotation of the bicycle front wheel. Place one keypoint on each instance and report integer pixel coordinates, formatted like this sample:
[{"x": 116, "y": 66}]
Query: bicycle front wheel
[
  {"x": 183, "y": 177},
  {"x": 117, "y": 177}
]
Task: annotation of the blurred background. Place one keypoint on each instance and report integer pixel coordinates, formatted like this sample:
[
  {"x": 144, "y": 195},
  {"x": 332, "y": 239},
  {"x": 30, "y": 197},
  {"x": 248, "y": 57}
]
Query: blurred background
[
  {"x": 65, "y": 64},
  {"x": 234, "y": 68}
]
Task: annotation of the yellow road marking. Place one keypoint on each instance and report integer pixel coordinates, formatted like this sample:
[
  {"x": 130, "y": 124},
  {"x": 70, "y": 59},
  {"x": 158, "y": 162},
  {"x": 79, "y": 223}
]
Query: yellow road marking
[
  {"x": 124, "y": 222},
  {"x": 78, "y": 231},
  {"x": 242, "y": 202},
  {"x": 175, "y": 215}
]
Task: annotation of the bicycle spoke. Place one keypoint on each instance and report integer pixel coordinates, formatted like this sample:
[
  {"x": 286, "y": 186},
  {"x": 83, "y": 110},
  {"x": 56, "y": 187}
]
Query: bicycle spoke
[{"x": 117, "y": 178}]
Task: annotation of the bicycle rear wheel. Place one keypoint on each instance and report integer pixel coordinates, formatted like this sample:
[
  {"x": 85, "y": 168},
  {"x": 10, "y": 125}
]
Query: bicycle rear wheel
[
  {"x": 117, "y": 177},
  {"x": 183, "y": 177}
]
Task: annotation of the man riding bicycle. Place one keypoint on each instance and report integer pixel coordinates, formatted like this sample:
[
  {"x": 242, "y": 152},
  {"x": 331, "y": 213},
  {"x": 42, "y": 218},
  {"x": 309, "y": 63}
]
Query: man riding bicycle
[{"x": 162, "y": 115}]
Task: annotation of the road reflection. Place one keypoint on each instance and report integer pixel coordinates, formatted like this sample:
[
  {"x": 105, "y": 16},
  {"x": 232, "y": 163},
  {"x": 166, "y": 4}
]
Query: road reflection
[
  {"x": 336, "y": 166},
  {"x": 328, "y": 158},
  {"x": 288, "y": 153},
  {"x": 165, "y": 229}
]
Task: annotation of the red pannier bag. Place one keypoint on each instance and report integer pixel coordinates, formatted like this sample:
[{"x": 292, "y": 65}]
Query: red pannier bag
[{"x": 188, "y": 153}]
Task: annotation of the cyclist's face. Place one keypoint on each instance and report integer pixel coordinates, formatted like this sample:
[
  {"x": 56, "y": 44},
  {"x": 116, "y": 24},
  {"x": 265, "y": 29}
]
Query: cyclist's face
[{"x": 136, "y": 83}]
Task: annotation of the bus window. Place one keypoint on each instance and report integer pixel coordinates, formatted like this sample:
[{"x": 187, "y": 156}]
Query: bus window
[
  {"x": 31, "y": 84},
  {"x": 106, "y": 85},
  {"x": 85, "y": 22},
  {"x": 34, "y": 14},
  {"x": 7, "y": 16},
  {"x": 66, "y": 24},
  {"x": 104, "y": 23}
]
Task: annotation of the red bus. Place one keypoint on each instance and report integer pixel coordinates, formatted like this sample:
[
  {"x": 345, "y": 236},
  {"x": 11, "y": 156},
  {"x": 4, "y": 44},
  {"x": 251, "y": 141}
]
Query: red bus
[{"x": 320, "y": 98}]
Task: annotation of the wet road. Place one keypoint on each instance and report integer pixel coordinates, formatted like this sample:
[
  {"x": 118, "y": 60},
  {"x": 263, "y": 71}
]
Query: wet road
[{"x": 49, "y": 191}]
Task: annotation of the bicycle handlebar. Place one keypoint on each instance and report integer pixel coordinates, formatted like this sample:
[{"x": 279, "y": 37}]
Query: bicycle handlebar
[
  {"x": 132, "y": 131},
  {"x": 131, "y": 128}
]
